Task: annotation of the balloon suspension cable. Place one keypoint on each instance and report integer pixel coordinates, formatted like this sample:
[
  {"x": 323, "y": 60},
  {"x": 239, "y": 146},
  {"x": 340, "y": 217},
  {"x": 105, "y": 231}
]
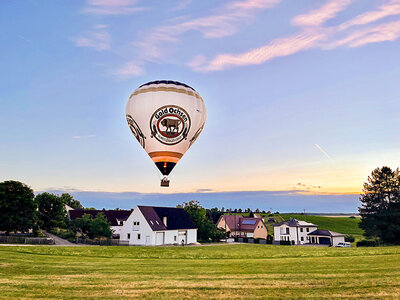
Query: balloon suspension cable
[{"x": 165, "y": 182}]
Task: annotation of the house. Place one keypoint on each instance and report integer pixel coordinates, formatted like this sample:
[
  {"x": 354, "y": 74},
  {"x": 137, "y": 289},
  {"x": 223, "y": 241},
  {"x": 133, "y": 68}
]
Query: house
[
  {"x": 326, "y": 237},
  {"x": 150, "y": 226},
  {"x": 238, "y": 225},
  {"x": 116, "y": 218},
  {"x": 295, "y": 231}
]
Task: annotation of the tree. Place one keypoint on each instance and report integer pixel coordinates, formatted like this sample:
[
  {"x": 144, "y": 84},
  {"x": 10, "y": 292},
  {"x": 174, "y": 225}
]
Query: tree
[
  {"x": 70, "y": 201},
  {"x": 51, "y": 211},
  {"x": 17, "y": 207},
  {"x": 206, "y": 230},
  {"x": 100, "y": 227},
  {"x": 380, "y": 209},
  {"x": 213, "y": 214},
  {"x": 251, "y": 215}
]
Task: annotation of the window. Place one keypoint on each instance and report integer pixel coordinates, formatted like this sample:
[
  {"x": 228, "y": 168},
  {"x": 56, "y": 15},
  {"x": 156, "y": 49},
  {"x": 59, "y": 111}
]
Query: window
[
  {"x": 258, "y": 226},
  {"x": 301, "y": 229},
  {"x": 175, "y": 238},
  {"x": 136, "y": 223},
  {"x": 157, "y": 222},
  {"x": 138, "y": 236},
  {"x": 302, "y": 239},
  {"x": 262, "y": 226},
  {"x": 151, "y": 222},
  {"x": 308, "y": 229},
  {"x": 129, "y": 236},
  {"x": 287, "y": 230}
]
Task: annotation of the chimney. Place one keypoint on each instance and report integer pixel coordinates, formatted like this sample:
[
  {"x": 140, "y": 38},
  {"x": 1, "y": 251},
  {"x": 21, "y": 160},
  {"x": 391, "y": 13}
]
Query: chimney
[{"x": 165, "y": 221}]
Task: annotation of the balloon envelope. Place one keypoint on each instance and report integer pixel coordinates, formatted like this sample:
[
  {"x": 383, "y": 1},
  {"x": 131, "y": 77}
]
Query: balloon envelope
[{"x": 166, "y": 118}]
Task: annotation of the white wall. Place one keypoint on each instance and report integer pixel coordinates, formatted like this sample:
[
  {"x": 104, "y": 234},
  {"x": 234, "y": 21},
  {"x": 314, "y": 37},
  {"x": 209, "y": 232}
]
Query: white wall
[
  {"x": 337, "y": 239},
  {"x": 295, "y": 233},
  {"x": 144, "y": 229}
]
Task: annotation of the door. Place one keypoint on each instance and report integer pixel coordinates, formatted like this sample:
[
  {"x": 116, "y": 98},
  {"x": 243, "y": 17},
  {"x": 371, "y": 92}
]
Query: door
[
  {"x": 324, "y": 241},
  {"x": 147, "y": 240},
  {"x": 182, "y": 237},
  {"x": 159, "y": 238}
]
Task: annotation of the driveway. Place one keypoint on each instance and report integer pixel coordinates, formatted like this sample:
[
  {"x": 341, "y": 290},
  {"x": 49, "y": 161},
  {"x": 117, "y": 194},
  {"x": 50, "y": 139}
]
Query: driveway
[{"x": 59, "y": 241}]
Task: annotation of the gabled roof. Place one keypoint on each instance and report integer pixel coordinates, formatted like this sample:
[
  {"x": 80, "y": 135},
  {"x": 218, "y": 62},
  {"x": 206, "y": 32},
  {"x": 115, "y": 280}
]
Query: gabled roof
[
  {"x": 324, "y": 232},
  {"x": 296, "y": 223},
  {"x": 240, "y": 223},
  {"x": 177, "y": 218},
  {"x": 113, "y": 216}
]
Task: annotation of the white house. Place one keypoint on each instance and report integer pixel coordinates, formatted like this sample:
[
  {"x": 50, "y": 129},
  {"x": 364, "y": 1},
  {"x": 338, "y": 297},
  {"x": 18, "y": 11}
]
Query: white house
[
  {"x": 326, "y": 237},
  {"x": 295, "y": 231},
  {"x": 150, "y": 226}
]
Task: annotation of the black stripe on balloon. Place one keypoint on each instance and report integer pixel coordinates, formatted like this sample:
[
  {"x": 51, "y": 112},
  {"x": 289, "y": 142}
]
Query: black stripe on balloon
[{"x": 165, "y": 167}]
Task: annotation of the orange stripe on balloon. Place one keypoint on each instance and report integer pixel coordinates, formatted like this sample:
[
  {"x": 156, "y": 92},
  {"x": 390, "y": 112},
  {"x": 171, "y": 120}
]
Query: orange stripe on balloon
[{"x": 165, "y": 153}]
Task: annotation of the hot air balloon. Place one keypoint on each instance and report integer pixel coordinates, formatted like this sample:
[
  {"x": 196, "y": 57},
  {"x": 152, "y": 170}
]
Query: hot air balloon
[{"x": 166, "y": 117}]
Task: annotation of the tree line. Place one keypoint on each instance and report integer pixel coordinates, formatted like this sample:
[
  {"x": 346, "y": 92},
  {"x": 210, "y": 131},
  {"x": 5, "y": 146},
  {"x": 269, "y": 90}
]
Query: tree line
[{"x": 22, "y": 211}]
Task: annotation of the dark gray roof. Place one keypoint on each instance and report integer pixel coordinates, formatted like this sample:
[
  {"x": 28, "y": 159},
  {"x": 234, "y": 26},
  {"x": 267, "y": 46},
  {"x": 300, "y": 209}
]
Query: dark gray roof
[
  {"x": 324, "y": 232},
  {"x": 295, "y": 223},
  {"x": 167, "y": 82},
  {"x": 113, "y": 216},
  {"x": 177, "y": 218}
]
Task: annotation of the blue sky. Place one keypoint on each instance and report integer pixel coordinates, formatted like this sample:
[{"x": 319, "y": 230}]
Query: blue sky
[{"x": 301, "y": 95}]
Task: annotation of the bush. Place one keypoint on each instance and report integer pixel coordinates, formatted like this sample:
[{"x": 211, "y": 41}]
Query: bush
[
  {"x": 352, "y": 217},
  {"x": 269, "y": 239},
  {"x": 64, "y": 233},
  {"x": 349, "y": 238},
  {"x": 245, "y": 239},
  {"x": 365, "y": 243},
  {"x": 284, "y": 242}
]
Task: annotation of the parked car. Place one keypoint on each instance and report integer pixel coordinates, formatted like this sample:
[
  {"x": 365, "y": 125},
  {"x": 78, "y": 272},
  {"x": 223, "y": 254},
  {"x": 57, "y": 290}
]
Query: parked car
[{"x": 344, "y": 245}]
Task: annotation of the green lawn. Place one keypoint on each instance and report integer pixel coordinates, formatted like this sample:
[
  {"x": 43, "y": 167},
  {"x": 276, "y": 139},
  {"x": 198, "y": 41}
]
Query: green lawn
[
  {"x": 344, "y": 225},
  {"x": 240, "y": 271}
]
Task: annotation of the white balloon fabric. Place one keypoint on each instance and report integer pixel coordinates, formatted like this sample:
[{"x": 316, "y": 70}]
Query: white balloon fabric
[{"x": 166, "y": 117}]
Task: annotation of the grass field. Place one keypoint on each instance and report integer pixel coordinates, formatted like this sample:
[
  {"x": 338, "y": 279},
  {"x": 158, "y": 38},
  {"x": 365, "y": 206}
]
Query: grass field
[
  {"x": 240, "y": 271},
  {"x": 344, "y": 225}
]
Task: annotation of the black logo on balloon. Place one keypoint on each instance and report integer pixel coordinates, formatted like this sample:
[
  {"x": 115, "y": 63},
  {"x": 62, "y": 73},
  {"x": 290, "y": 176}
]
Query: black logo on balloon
[
  {"x": 170, "y": 124},
  {"x": 136, "y": 130}
]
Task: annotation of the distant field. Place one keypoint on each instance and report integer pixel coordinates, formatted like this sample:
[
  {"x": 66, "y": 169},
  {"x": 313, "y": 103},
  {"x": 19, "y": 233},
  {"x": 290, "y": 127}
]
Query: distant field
[
  {"x": 222, "y": 271},
  {"x": 344, "y": 225}
]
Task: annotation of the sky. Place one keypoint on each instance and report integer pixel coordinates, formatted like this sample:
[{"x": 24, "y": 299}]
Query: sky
[{"x": 302, "y": 98}]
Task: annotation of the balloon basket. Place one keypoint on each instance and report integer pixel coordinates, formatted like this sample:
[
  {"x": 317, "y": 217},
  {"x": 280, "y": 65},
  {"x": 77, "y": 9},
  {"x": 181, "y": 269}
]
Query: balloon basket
[{"x": 165, "y": 182}]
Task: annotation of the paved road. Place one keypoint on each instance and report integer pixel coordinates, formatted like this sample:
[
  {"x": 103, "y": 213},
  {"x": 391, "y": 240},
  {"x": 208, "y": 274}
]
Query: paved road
[{"x": 59, "y": 241}]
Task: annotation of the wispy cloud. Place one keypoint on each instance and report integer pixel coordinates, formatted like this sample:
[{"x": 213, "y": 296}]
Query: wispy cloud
[
  {"x": 129, "y": 69},
  {"x": 380, "y": 33},
  {"x": 223, "y": 22},
  {"x": 318, "y": 16},
  {"x": 97, "y": 38},
  {"x": 83, "y": 136},
  {"x": 112, "y": 7},
  {"x": 388, "y": 9},
  {"x": 322, "y": 150},
  {"x": 313, "y": 35},
  {"x": 276, "y": 48}
]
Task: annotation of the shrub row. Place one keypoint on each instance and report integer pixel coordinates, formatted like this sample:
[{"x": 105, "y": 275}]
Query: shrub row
[{"x": 365, "y": 243}]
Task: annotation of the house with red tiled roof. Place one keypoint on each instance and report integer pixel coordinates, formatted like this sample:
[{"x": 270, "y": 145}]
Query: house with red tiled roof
[{"x": 241, "y": 226}]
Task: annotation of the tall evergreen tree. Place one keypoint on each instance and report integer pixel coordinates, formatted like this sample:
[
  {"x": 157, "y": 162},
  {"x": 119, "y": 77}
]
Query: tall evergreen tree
[{"x": 380, "y": 209}]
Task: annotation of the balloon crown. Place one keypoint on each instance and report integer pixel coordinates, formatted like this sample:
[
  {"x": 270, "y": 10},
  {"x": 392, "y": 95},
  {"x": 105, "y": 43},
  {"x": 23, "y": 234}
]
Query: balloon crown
[{"x": 167, "y": 82}]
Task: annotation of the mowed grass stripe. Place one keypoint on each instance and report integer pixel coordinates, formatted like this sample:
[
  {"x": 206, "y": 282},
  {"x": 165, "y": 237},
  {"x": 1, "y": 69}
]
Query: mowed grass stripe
[{"x": 101, "y": 272}]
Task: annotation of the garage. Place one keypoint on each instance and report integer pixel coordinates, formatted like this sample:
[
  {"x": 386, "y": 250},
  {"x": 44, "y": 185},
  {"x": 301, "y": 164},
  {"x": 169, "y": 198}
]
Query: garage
[{"x": 325, "y": 237}]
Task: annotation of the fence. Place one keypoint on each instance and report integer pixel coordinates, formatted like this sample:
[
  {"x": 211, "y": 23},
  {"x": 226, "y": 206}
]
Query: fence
[
  {"x": 103, "y": 242},
  {"x": 25, "y": 240}
]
